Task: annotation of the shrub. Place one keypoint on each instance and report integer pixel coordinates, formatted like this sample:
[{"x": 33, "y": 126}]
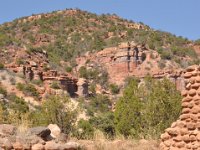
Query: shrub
[
  {"x": 146, "y": 111},
  {"x": 68, "y": 69},
  {"x": 114, "y": 88},
  {"x": 3, "y": 91},
  {"x": 37, "y": 82},
  {"x": 166, "y": 55},
  {"x": 1, "y": 66},
  {"x": 28, "y": 89},
  {"x": 98, "y": 104},
  {"x": 84, "y": 130},
  {"x": 55, "y": 85},
  {"x": 54, "y": 111},
  {"x": 83, "y": 72},
  {"x": 104, "y": 123},
  {"x": 20, "y": 86}
]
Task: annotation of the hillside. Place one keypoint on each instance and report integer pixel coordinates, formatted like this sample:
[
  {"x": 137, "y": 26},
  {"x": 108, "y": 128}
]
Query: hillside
[
  {"x": 91, "y": 73},
  {"x": 70, "y": 33}
]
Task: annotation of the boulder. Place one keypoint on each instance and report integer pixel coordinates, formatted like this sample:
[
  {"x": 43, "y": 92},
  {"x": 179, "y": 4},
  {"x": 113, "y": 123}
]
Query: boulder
[
  {"x": 51, "y": 145},
  {"x": 82, "y": 87},
  {"x": 18, "y": 146},
  {"x": 7, "y": 130},
  {"x": 38, "y": 147},
  {"x": 42, "y": 132},
  {"x": 6, "y": 144},
  {"x": 55, "y": 130},
  {"x": 70, "y": 146}
]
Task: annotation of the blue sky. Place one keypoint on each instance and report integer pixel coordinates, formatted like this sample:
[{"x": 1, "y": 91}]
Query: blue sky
[{"x": 180, "y": 17}]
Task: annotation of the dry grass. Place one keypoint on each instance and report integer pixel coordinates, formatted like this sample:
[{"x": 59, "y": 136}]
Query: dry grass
[{"x": 101, "y": 143}]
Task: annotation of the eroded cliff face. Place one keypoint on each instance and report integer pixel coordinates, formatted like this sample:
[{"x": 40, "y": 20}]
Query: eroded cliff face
[
  {"x": 185, "y": 132},
  {"x": 35, "y": 67},
  {"x": 131, "y": 59}
]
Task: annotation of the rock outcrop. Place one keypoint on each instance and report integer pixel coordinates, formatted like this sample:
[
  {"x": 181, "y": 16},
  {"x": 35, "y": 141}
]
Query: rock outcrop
[
  {"x": 185, "y": 132},
  {"x": 35, "y": 67},
  {"x": 37, "y": 138},
  {"x": 82, "y": 87}
]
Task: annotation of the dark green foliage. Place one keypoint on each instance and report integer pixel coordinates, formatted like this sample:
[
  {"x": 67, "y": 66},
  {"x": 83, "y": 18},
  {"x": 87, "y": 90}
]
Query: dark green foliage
[
  {"x": 84, "y": 130},
  {"x": 68, "y": 69},
  {"x": 114, "y": 88},
  {"x": 146, "y": 111},
  {"x": 83, "y": 72},
  {"x": 97, "y": 104},
  {"x": 3, "y": 91},
  {"x": 1, "y": 66},
  {"x": 105, "y": 123},
  {"x": 128, "y": 111}
]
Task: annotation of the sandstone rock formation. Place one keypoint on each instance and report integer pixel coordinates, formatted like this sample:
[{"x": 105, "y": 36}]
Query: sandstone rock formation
[
  {"x": 35, "y": 67},
  {"x": 55, "y": 130},
  {"x": 82, "y": 87},
  {"x": 185, "y": 132}
]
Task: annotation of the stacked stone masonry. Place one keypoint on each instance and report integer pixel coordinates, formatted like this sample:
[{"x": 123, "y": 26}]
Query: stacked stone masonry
[{"x": 184, "y": 134}]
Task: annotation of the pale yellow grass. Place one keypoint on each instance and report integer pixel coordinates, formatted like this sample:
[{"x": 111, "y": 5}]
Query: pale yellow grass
[{"x": 100, "y": 142}]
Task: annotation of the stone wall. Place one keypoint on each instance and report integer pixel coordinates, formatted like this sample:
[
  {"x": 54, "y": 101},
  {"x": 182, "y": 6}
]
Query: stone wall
[{"x": 185, "y": 132}]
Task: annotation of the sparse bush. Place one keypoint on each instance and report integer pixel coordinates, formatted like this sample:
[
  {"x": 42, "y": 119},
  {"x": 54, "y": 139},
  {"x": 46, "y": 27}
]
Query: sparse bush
[{"x": 28, "y": 89}]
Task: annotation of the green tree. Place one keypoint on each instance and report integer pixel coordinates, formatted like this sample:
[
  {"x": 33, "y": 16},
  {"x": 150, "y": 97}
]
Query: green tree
[
  {"x": 128, "y": 111},
  {"x": 54, "y": 110},
  {"x": 145, "y": 111}
]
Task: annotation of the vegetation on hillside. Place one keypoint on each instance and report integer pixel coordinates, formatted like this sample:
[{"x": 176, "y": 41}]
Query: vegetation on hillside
[
  {"x": 66, "y": 36},
  {"x": 142, "y": 112}
]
